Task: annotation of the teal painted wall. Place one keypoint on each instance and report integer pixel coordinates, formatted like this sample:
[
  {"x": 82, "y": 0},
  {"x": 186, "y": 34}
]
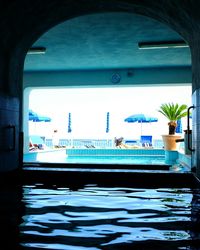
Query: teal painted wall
[{"x": 156, "y": 76}]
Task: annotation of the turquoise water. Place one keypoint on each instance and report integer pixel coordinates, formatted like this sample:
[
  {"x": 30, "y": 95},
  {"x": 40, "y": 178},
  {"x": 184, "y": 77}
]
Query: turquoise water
[
  {"x": 151, "y": 160},
  {"x": 95, "y": 218},
  {"x": 61, "y": 157}
]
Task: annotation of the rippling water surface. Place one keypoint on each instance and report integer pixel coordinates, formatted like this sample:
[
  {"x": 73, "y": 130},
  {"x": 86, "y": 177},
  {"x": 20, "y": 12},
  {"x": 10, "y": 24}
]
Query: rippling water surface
[{"x": 96, "y": 217}]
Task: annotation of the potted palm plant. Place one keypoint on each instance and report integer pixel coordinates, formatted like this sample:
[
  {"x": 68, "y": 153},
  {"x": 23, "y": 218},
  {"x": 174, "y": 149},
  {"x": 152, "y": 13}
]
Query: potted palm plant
[{"x": 172, "y": 112}]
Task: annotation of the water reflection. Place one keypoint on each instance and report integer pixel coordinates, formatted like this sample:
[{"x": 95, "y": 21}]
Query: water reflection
[
  {"x": 195, "y": 218},
  {"x": 107, "y": 218}
]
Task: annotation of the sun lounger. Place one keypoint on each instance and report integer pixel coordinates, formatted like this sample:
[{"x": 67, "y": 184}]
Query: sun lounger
[
  {"x": 36, "y": 142},
  {"x": 146, "y": 140}
]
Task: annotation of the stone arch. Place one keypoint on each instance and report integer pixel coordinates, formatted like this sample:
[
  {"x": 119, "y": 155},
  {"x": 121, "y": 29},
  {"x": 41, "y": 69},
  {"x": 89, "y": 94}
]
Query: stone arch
[{"x": 53, "y": 13}]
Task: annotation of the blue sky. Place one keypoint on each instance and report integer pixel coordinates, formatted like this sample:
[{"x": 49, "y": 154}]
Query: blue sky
[{"x": 88, "y": 107}]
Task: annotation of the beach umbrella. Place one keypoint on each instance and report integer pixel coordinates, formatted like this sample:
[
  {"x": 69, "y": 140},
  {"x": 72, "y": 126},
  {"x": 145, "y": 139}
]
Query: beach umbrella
[
  {"x": 107, "y": 122},
  {"x": 36, "y": 118},
  {"x": 140, "y": 118},
  {"x": 69, "y": 130},
  {"x": 179, "y": 126},
  {"x": 33, "y": 116}
]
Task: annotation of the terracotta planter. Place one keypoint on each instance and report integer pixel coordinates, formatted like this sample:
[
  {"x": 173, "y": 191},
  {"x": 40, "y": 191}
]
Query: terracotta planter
[{"x": 170, "y": 141}]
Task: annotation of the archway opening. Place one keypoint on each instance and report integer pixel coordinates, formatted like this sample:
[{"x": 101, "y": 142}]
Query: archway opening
[{"x": 82, "y": 52}]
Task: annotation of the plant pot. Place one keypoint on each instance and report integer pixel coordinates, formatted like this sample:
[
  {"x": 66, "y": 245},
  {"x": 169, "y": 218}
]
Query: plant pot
[{"x": 170, "y": 141}]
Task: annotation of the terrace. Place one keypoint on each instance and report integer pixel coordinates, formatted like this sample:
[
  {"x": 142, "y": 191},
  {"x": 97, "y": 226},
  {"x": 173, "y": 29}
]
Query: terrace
[{"x": 76, "y": 154}]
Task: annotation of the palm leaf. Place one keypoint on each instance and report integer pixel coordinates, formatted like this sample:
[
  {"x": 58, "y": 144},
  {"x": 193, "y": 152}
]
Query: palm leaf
[{"x": 173, "y": 112}]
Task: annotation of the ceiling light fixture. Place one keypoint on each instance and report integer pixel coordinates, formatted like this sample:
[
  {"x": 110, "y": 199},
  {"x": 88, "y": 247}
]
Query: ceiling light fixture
[
  {"x": 162, "y": 45},
  {"x": 36, "y": 50}
]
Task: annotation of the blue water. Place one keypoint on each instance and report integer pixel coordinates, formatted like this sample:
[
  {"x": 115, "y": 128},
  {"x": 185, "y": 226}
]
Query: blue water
[
  {"x": 95, "y": 218},
  {"x": 61, "y": 157},
  {"x": 118, "y": 159}
]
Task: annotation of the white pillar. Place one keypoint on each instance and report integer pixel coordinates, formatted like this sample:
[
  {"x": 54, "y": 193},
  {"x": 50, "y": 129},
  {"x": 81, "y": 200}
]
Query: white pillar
[{"x": 25, "y": 118}]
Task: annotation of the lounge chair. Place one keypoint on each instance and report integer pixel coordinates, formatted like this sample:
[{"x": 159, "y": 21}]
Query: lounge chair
[
  {"x": 89, "y": 146},
  {"x": 146, "y": 141},
  {"x": 36, "y": 142},
  {"x": 131, "y": 142}
]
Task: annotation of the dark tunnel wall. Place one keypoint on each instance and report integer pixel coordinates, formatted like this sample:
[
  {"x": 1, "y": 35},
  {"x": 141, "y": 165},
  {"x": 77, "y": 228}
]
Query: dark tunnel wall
[{"x": 22, "y": 22}]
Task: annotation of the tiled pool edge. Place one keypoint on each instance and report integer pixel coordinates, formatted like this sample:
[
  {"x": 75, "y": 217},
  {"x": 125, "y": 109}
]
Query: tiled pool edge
[
  {"x": 177, "y": 158},
  {"x": 184, "y": 160},
  {"x": 171, "y": 157},
  {"x": 113, "y": 152}
]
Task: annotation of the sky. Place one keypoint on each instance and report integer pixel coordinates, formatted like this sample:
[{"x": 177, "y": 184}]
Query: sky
[{"x": 89, "y": 106}]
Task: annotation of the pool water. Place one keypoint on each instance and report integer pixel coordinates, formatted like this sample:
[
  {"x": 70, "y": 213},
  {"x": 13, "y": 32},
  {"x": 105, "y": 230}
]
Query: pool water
[
  {"x": 94, "y": 217},
  {"x": 118, "y": 159},
  {"x": 61, "y": 157}
]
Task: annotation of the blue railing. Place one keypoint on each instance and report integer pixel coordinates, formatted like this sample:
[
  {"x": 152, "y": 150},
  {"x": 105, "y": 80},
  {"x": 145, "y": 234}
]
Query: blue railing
[{"x": 97, "y": 143}]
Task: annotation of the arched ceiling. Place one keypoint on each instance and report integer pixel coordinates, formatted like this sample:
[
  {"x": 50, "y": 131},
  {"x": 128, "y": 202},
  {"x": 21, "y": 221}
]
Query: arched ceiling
[{"x": 106, "y": 41}]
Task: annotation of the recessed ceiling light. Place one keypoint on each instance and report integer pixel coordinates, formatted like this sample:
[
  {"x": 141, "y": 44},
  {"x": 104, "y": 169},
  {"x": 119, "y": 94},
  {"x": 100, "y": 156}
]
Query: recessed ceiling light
[
  {"x": 36, "y": 50},
  {"x": 162, "y": 45}
]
